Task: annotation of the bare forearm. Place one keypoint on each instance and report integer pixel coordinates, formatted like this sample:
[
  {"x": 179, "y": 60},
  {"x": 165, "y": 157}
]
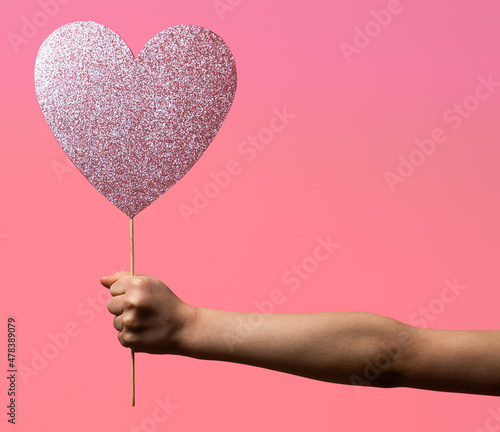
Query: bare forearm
[
  {"x": 350, "y": 348},
  {"x": 342, "y": 347},
  {"x": 461, "y": 361},
  {"x": 335, "y": 346}
]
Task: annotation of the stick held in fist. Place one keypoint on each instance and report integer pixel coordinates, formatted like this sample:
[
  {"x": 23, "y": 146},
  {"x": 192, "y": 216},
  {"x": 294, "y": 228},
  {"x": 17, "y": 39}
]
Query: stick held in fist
[
  {"x": 149, "y": 316},
  {"x": 357, "y": 348}
]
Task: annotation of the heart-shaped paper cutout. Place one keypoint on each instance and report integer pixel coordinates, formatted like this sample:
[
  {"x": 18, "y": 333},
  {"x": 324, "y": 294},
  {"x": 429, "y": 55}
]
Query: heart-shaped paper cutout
[{"x": 134, "y": 126}]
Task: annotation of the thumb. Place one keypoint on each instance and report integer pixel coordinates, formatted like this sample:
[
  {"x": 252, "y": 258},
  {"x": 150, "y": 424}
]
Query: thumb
[{"x": 107, "y": 281}]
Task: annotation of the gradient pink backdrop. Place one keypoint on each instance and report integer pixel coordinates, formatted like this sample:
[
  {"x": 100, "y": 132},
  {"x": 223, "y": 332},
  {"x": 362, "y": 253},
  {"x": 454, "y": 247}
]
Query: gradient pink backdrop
[{"x": 323, "y": 175}]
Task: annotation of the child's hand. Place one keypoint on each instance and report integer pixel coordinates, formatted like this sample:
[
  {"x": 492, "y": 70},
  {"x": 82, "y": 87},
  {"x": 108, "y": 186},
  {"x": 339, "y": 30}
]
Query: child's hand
[{"x": 149, "y": 316}]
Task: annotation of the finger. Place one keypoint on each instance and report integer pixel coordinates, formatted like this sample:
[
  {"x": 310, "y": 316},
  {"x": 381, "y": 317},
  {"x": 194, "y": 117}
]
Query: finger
[
  {"x": 124, "y": 284},
  {"x": 120, "y": 286},
  {"x": 130, "y": 321},
  {"x": 117, "y": 305},
  {"x": 107, "y": 281},
  {"x": 128, "y": 339},
  {"x": 117, "y": 323}
]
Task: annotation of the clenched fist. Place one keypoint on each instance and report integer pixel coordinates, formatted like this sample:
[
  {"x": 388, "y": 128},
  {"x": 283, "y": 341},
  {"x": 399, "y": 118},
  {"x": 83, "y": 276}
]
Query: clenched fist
[
  {"x": 149, "y": 316},
  {"x": 341, "y": 347}
]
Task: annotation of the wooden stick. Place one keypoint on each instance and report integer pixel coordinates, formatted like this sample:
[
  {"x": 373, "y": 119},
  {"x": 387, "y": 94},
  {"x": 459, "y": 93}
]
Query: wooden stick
[
  {"x": 132, "y": 271},
  {"x": 132, "y": 246}
]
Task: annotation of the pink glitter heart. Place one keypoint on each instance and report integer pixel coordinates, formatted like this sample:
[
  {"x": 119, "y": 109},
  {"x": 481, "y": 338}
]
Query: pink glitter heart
[{"x": 134, "y": 126}]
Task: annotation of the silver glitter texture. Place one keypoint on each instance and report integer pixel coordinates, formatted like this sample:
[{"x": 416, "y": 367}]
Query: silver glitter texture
[{"x": 134, "y": 126}]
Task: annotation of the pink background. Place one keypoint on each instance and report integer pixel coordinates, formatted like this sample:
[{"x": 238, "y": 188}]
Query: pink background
[{"x": 323, "y": 175}]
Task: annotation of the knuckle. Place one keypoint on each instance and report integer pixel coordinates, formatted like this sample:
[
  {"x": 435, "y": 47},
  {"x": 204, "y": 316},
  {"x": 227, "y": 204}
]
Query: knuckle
[
  {"x": 139, "y": 280},
  {"x": 129, "y": 321},
  {"x": 136, "y": 301},
  {"x": 136, "y": 281},
  {"x": 130, "y": 303},
  {"x": 127, "y": 339}
]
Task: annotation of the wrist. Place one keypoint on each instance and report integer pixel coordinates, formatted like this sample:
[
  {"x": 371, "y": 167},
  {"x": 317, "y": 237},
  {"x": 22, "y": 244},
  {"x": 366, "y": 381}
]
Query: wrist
[{"x": 186, "y": 335}]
